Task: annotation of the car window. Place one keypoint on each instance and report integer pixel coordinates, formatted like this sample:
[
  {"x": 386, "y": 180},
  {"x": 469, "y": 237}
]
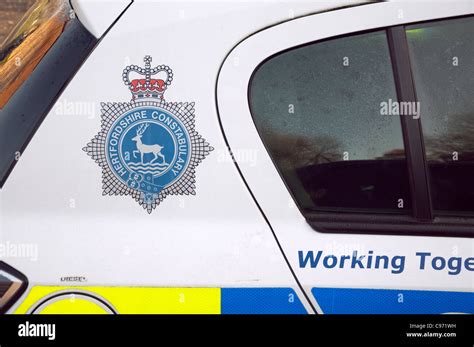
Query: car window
[
  {"x": 319, "y": 110},
  {"x": 442, "y": 57},
  {"x": 11, "y": 12},
  {"x": 37, "y": 58}
]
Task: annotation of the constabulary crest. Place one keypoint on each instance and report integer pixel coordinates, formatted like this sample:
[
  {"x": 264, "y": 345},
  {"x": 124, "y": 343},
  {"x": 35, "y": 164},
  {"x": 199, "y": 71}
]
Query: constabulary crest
[{"x": 148, "y": 148}]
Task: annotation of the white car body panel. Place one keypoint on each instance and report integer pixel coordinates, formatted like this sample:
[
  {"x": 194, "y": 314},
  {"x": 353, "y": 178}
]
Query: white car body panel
[
  {"x": 98, "y": 15},
  {"x": 287, "y": 221}
]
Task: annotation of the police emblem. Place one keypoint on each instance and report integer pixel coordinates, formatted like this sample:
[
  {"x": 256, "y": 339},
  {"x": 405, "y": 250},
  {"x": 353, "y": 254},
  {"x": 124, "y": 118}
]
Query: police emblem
[{"x": 148, "y": 148}]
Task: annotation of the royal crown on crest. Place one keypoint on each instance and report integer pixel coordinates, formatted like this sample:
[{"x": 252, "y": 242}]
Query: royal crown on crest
[
  {"x": 148, "y": 148},
  {"x": 147, "y": 87}
]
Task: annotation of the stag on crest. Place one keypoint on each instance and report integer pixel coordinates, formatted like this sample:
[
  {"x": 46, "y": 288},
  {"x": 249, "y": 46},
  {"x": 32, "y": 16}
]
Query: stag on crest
[{"x": 144, "y": 149}]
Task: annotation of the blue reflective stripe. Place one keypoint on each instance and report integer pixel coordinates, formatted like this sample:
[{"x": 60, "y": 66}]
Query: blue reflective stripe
[
  {"x": 370, "y": 301},
  {"x": 260, "y": 300}
]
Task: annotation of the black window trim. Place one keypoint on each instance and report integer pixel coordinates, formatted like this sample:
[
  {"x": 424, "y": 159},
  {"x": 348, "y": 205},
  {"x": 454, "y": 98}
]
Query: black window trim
[
  {"x": 422, "y": 221},
  {"x": 411, "y": 128}
]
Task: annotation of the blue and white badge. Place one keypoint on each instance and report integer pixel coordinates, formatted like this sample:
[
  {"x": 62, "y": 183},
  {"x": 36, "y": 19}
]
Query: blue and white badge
[{"x": 148, "y": 148}]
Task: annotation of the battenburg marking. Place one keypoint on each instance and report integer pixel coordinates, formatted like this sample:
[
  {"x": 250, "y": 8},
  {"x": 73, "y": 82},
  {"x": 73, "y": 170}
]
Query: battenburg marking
[{"x": 148, "y": 148}]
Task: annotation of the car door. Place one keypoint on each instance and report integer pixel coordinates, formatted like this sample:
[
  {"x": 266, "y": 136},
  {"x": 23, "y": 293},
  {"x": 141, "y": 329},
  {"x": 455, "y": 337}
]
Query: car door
[{"x": 360, "y": 121}]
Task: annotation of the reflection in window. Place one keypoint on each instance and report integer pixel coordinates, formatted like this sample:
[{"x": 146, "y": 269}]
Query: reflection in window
[
  {"x": 10, "y": 13},
  {"x": 442, "y": 56},
  {"x": 28, "y": 42},
  {"x": 318, "y": 111}
]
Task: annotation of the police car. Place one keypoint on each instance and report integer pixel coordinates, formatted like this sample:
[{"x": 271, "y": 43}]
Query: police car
[{"x": 238, "y": 157}]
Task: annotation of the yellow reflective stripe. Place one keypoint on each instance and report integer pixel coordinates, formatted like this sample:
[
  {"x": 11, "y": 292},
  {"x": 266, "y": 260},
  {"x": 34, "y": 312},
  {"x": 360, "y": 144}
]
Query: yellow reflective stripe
[{"x": 129, "y": 300}]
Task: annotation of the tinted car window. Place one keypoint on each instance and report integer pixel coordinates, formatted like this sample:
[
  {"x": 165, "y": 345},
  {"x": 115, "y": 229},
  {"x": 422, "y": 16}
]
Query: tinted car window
[
  {"x": 318, "y": 109},
  {"x": 10, "y": 13},
  {"x": 442, "y": 55},
  {"x": 37, "y": 59}
]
